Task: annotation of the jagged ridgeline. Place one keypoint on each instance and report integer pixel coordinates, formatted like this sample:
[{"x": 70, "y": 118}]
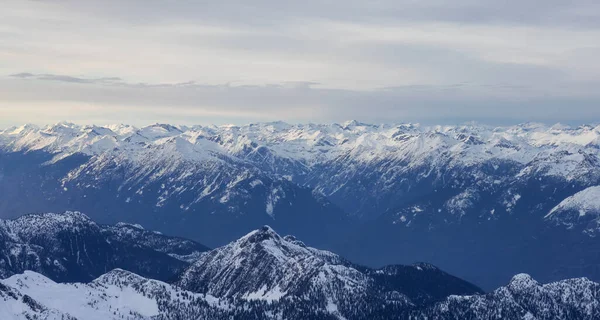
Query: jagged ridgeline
[
  {"x": 482, "y": 202},
  {"x": 69, "y": 247},
  {"x": 262, "y": 275}
]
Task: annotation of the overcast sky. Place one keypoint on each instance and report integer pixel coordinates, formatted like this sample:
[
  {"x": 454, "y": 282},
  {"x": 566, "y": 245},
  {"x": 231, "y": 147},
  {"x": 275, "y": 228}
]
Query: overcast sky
[{"x": 200, "y": 62}]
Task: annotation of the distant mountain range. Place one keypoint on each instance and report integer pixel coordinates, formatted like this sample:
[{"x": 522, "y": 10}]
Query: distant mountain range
[
  {"x": 482, "y": 202},
  {"x": 262, "y": 275}
]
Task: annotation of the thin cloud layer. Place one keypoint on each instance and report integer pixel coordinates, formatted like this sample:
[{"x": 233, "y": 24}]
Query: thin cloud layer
[{"x": 191, "y": 62}]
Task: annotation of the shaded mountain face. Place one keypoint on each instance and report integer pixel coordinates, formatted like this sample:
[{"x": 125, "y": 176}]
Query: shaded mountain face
[
  {"x": 176, "y": 247},
  {"x": 71, "y": 247},
  {"x": 456, "y": 196},
  {"x": 422, "y": 282},
  {"x": 179, "y": 185},
  {"x": 265, "y": 276}
]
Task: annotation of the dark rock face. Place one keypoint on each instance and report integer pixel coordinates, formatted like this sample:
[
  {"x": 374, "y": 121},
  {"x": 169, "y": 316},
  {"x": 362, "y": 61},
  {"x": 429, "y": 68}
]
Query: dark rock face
[
  {"x": 70, "y": 247},
  {"x": 213, "y": 204}
]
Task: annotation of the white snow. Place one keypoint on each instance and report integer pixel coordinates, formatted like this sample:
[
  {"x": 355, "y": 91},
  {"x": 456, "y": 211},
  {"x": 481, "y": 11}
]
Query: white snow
[
  {"x": 229, "y": 158},
  {"x": 332, "y": 308},
  {"x": 116, "y": 295},
  {"x": 312, "y": 144},
  {"x": 584, "y": 202},
  {"x": 78, "y": 300},
  {"x": 264, "y": 294},
  {"x": 284, "y": 266}
]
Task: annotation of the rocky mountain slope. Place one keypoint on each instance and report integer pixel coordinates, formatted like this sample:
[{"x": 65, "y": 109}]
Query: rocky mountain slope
[
  {"x": 265, "y": 276},
  {"x": 264, "y": 266},
  {"x": 260, "y": 276},
  {"x": 523, "y": 298},
  {"x": 71, "y": 247},
  {"x": 366, "y": 191},
  {"x": 120, "y": 294},
  {"x": 329, "y": 158}
]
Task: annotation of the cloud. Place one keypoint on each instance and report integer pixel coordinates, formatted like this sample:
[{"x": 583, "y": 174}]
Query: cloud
[
  {"x": 193, "y": 103},
  {"x": 188, "y": 61},
  {"x": 23, "y": 75},
  {"x": 65, "y": 78}
]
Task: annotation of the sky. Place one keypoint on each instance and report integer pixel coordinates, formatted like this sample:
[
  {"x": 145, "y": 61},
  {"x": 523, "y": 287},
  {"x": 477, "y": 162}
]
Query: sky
[{"x": 217, "y": 62}]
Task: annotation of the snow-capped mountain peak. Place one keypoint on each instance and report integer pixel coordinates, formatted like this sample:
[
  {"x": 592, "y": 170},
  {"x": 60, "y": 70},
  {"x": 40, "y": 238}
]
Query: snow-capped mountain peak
[
  {"x": 264, "y": 265},
  {"x": 522, "y": 281},
  {"x": 262, "y": 235}
]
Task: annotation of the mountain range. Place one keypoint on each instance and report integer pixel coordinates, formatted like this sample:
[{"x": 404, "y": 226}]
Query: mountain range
[
  {"x": 482, "y": 202},
  {"x": 261, "y": 275}
]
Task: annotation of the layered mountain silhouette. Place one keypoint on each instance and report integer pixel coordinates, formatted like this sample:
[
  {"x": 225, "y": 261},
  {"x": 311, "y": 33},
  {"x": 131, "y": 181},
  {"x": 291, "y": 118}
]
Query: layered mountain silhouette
[{"x": 262, "y": 275}]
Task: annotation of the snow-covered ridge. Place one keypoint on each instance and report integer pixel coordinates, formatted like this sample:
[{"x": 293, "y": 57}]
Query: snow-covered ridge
[
  {"x": 266, "y": 267},
  {"x": 584, "y": 202},
  {"x": 14, "y": 305},
  {"x": 47, "y": 225},
  {"x": 307, "y": 143},
  {"x": 123, "y": 295},
  {"x": 117, "y": 294},
  {"x": 262, "y": 265},
  {"x": 329, "y": 158},
  {"x": 324, "y": 157},
  {"x": 120, "y": 294},
  {"x": 582, "y": 208},
  {"x": 524, "y": 298}
]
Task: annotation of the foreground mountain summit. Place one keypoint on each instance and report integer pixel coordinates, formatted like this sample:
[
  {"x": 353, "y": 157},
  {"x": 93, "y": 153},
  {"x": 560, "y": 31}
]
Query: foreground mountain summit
[
  {"x": 266, "y": 276},
  {"x": 483, "y": 202},
  {"x": 265, "y": 266}
]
